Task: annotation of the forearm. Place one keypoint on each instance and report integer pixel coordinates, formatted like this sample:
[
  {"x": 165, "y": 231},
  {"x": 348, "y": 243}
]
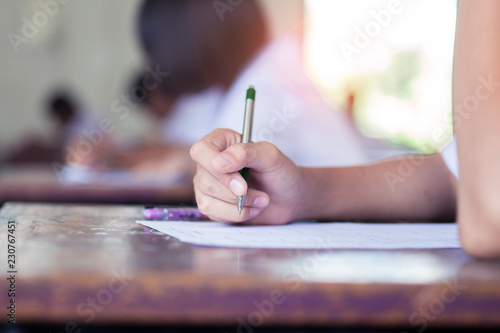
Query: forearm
[
  {"x": 476, "y": 100},
  {"x": 408, "y": 188}
]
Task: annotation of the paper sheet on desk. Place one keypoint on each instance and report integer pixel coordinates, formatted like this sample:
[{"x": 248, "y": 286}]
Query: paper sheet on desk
[{"x": 310, "y": 235}]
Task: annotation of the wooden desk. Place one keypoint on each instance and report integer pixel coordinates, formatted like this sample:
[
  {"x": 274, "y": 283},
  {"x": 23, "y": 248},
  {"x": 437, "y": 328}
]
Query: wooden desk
[
  {"x": 82, "y": 264},
  {"x": 40, "y": 184}
]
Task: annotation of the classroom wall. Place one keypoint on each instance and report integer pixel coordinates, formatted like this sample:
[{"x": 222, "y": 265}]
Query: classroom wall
[
  {"x": 88, "y": 45},
  {"x": 85, "y": 45}
]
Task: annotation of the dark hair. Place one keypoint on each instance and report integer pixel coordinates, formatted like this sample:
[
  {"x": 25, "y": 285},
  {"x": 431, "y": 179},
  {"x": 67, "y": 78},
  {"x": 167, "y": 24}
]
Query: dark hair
[
  {"x": 199, "y": 43},
  {"x": 61, "y": 105},
  {"x": 138, "y": 90}
]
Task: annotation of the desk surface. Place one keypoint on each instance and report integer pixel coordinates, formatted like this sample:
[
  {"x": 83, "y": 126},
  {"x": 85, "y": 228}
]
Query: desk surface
[
  {"x": 39, "y": 183},
  {"x": 94, "y": 264}
]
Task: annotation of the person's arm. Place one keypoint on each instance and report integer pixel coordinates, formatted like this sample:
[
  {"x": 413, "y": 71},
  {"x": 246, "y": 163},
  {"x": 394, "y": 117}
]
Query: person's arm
[
  {"x": 476, "y": 101},
  {"x": 408, "y": 188},
  {"x": 411, "y": 187}
]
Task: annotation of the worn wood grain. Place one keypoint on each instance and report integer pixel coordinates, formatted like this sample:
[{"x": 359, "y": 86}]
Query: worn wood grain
[{"x": 92, "y": 264}]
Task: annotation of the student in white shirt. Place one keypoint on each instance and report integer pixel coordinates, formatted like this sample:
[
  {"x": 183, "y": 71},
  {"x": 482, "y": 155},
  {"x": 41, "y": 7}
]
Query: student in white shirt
[
  {"x": 211, "y": 62},
  {"x": 407, "y": 188}
]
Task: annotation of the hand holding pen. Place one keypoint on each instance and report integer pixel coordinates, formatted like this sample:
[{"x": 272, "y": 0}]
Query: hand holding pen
[{"x": 274, "y": 193}]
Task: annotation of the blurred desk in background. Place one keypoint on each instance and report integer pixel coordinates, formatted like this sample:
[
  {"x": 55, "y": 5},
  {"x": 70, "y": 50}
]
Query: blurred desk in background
[
  {"x": 40, "y": 183},
  {"x": 93, "y": 265}
]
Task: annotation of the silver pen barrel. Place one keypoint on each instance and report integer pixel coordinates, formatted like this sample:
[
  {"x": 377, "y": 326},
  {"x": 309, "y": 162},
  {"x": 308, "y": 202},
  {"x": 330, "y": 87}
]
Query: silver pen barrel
[{"x": 246, "y": 135}]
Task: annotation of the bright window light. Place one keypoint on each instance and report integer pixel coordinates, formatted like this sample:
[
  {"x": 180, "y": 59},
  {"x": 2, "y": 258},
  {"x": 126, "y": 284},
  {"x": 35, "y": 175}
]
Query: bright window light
[{"x": 394, "y": 57}]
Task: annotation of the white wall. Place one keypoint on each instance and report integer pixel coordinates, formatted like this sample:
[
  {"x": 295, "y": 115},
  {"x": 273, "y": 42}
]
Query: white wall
[{"x": 88, "y": 45}]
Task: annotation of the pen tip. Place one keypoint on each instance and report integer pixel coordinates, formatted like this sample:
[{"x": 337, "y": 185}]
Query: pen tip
[
  {"x": 240, "y": 202},
  {"x": 251, "y": 87}
]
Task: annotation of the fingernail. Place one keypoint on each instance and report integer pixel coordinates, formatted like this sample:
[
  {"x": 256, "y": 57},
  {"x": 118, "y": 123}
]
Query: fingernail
[
  {"x": 254, "y": 212},
  {"x": 237, "y": 187},
  {"x": 222, "y": 160},
  {"x": 260, "y": 202}
]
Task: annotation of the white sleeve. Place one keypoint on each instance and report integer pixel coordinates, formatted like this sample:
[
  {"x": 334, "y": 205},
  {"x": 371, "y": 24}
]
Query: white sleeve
[
  {"x": 307, "y": 132},
  {"x": 289, "y": 111},
  {"x": 450, "y": 157},
  {"x": 191, "y": 118}
]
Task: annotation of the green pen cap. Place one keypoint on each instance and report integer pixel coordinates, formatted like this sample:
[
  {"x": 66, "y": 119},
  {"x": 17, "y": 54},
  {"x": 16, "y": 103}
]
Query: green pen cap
[{"x": 251, "y": 93}]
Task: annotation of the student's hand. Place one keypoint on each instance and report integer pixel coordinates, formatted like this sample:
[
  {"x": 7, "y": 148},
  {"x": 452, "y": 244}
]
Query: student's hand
[{"x": 276, "y": 184}]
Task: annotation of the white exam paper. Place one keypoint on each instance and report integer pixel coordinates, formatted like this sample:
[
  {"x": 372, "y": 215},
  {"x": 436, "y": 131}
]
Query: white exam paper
[{"x": 312, "y": 235}]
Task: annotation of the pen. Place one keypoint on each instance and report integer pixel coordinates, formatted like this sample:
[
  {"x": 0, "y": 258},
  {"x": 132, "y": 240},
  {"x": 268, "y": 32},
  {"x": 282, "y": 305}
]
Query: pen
[
  {"x": 173, "y": 214},
  {"x": 246, "y": 137}
]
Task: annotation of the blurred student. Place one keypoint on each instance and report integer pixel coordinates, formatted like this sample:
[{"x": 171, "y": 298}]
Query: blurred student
[
  {"x": 69, "y": 118},
  {"x": 78, "y": 131},
  {"x": 280, "y": 191},
  {"x": 66, "y": 119},
  {"x": 152, "y": 153},
  {"x": 158, "y": 152},
  {"x": 213, "y": 57},
  {"x": 169, "y": 113}
]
